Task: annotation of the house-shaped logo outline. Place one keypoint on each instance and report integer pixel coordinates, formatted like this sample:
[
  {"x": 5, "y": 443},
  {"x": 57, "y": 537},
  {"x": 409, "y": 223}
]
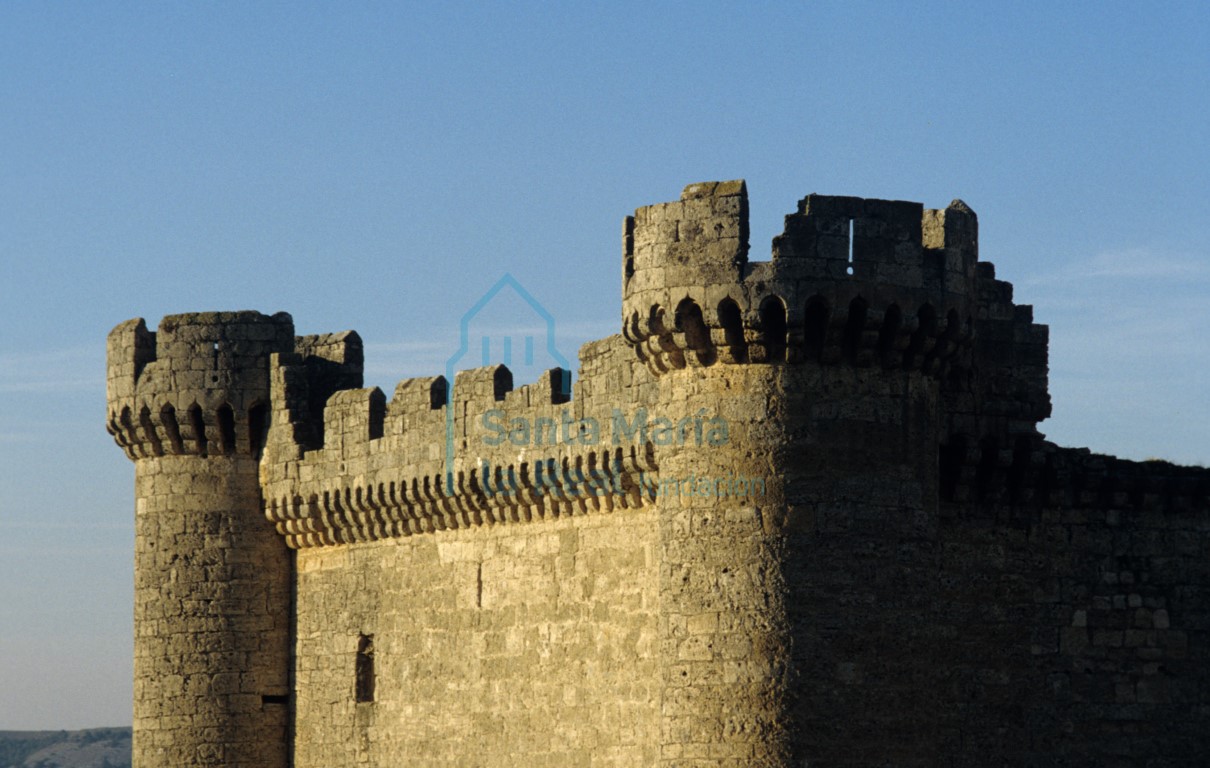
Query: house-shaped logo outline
[{"x": 506, "y": 281}]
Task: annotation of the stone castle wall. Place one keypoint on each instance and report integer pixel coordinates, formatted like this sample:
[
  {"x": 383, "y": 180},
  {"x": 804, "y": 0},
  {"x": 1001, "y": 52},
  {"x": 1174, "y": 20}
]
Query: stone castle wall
[
  {"x": 826, "y": 529},
  {"x": 532, "y": 644}
]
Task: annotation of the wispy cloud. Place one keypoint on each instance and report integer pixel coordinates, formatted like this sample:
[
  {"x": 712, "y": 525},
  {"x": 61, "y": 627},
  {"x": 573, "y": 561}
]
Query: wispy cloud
[
  {"x": 11, "y": 437},
  {"x": 73, "y": 369},
  {"x": 63, "y": 525},
  {"x": 1136, "y": 264},
  {"x": 404, "y": 358}
]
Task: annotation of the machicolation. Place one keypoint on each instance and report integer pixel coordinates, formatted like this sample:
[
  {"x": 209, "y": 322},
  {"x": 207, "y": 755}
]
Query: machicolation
[{"x": 797, "y": 512}]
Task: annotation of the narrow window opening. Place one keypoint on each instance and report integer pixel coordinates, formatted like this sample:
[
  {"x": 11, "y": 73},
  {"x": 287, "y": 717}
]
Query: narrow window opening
[
  {"x": 888, "y": 335},
  {"x": 560, "y": 385},
  {"x": 815, "y": 331},
  {"x": 378, "y": 414},
  {"x": 854, "y": 329},
  {"x": 849, "y": 269},
  {"x": 502, "y": 382},
  {"x": 773, "y": 322},
  {"x": 149, "y": 431},
  {"x": 365, "y": 668},
  {"x": 733, "y": 329},
  {"x": 214, "y": 365},
  {"x": 171, "y": 428},
  {"x": 689, "y": 320},
  {"x": 628, "y": 246},
  {"x": 274, "y": 698},
  {"x": 226, "y": 428},
  {"x": 438, "y": 393},
  {"x": 479, "y": 584}
]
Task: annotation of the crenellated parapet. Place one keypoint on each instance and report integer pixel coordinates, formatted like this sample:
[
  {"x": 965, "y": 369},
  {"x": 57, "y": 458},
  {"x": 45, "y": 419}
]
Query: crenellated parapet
[
  {"x": 363, "y": 467},
  {"x": 870, "y": 282},
  {"x": 302, "y": 380},
  {"x": 860, "y": 282},
  {"x": 199, "y": 385}
]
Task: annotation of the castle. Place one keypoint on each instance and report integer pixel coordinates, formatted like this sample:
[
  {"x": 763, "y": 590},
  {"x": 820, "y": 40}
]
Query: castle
[{"x": 797, "y": 513}]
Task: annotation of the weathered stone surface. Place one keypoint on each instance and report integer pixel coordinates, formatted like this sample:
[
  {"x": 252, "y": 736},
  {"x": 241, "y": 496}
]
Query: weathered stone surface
[{"x": 797, "y": 512}]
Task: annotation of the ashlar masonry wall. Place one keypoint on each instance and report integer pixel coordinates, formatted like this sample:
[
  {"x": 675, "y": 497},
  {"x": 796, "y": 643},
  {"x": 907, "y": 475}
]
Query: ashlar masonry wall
[
  {"x": 529, "y": 645},
  {"x": 504, "y": 624}
]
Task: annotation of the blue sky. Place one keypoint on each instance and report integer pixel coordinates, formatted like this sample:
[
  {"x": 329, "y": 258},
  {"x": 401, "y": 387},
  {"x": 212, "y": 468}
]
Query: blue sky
[{"x": 379, "y": 166}]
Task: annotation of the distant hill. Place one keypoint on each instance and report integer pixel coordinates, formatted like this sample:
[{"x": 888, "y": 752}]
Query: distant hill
[{"x": 93, "y": 748}]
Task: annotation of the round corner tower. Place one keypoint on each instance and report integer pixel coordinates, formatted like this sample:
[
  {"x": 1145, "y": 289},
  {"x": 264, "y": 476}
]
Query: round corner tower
[
  {"x": 189, "y": 404},
  {"x": 843, "y": 367}
]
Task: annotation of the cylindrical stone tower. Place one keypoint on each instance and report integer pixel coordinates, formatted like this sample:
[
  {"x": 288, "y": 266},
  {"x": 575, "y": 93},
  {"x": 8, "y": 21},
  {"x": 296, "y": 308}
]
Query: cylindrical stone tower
[
  {"x": 189, "y": 404},
  {"x": 722, "y": 619},
  {"x": 778, "y": 539},
  {"x": 724, "y": 635}
]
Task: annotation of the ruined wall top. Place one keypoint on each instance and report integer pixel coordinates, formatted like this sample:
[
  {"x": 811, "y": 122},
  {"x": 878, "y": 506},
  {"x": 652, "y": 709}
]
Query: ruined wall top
[
  {"x": 884, "y": 247},
  {"x": 851, "y": 281}
]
